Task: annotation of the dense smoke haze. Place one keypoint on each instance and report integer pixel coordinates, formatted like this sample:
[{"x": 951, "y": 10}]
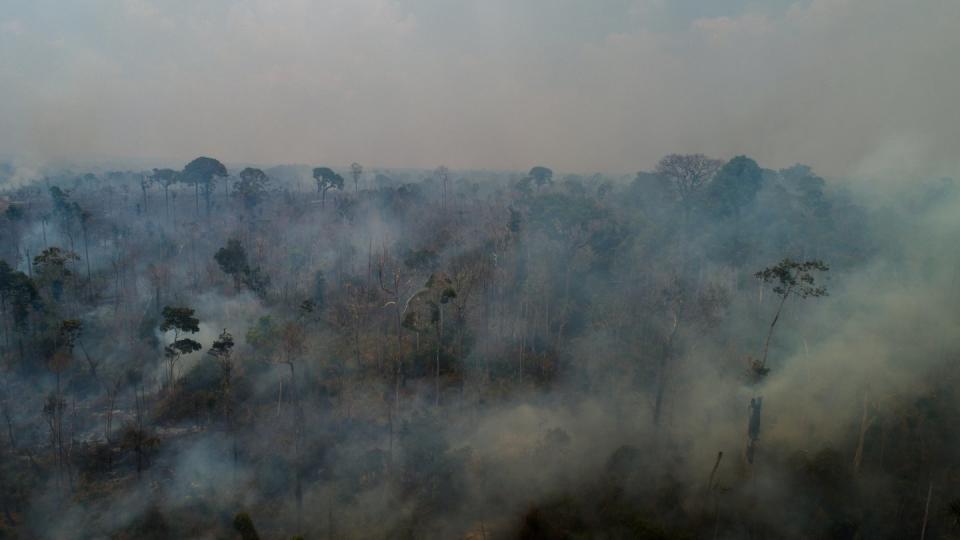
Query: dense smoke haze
[
  {"x": 583, "y": 86},
  {"x": 479, "y": 270}
]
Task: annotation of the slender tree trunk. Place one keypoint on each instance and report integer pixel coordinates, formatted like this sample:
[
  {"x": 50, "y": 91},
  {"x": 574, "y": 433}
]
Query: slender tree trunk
[
  {"x": 766, "y": 344},
  {"x": 662, "y": 371}
]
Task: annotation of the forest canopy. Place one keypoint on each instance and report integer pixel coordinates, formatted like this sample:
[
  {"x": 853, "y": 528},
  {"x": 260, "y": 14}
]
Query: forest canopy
[{"x": 708, "y": 349}]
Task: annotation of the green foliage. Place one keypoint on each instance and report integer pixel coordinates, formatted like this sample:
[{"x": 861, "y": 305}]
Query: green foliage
[
  {"x": 735, "y": 186},
  {"x": 327, "y": 179},
  {"x": 233, "y": 261},
  {"x": 179, "y": 319},
  {"x": 794, "y": 277},
  {"x": 202, "y": 170},
  {"x": 222, "y": 347}
]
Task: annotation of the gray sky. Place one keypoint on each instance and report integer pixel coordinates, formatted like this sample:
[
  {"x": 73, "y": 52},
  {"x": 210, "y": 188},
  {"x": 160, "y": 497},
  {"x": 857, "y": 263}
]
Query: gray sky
[{"x": 580, "y": 85}]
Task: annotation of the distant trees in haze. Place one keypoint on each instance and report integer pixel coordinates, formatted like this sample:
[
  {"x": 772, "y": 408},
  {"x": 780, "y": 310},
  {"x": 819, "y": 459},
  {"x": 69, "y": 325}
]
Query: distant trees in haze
[
  {"x": 201, "y": 173},
  {"x": 326, "y": 180},
  {"x": 166, "y": 178},
  {"x": 356, "y": 170},
  {"x": 541, "y": 175},
  {"x": 252, "y": 187},
  {"x": 437, "y": 342}
]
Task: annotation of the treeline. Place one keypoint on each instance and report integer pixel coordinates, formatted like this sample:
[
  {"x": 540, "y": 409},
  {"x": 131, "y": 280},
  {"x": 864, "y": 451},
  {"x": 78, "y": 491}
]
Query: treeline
[{"x": 432, "y": 354}]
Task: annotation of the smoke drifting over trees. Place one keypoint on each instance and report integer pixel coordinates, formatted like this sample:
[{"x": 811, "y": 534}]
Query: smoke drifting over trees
[
  {"x": 462, "y": 354},
  {"x": 483, "y": 270}
]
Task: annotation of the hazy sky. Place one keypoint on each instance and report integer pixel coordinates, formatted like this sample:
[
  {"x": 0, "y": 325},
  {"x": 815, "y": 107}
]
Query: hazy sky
[{"x": 579, "y": 85}]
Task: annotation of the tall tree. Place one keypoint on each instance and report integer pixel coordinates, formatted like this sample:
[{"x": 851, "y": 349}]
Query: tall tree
[
  {"x": 541, "y": 175},
  {"x": 326, "y": 180},
  {"x": 789, "y": 278},
  {"x": 201, "y": 172},
  {"x": 52, "y": 269},
  {"x": 252, "y": 187},
  {"x": 356, "y": 170},
  {"x": 735, "y": 186},
  {"x": 145, "y": 182},
  {"x": 233, "y": 261},
  {"x": 180, "y": 321},
  {"x": 442, "y": 173},
  {"x": 166, "y": 178},
  {"x": 222, "y": 352},
  {"x": 688, "y": 174}
]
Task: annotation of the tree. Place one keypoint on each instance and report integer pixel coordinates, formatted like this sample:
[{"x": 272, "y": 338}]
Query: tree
[
  {"x": 18, "y": 290},
  {"x": 688, "y": 174},
  {"x": 166, "y": 178},
  {"x": 67, "y": 211},
  {"x": 252, "y": 187},
  {"x": 201, "y": 173},
  {"x": 809, "y": 187},
  {"x": 541, "y": 176},
  {"x": 789, "y": 278},
  {"x": 735, "y": 186},
  {"x": 326, "y": 180},
  {"x": 233, "y": 261},
  {"x": 732, "y": 191},
  {"x": 429, "y": 302},
  {"x": 357, "y": 171},
  {"x": 179, "y": 320},
  {"x": 145, "y": 182},
  {"x": 222, "y": 352},
  {"x": 51, "y": 268},
  {"x": 442, "y": 173}
]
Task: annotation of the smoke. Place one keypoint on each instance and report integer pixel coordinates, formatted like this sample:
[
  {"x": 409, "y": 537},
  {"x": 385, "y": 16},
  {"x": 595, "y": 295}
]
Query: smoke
[{"x": 479, "y": 86}]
